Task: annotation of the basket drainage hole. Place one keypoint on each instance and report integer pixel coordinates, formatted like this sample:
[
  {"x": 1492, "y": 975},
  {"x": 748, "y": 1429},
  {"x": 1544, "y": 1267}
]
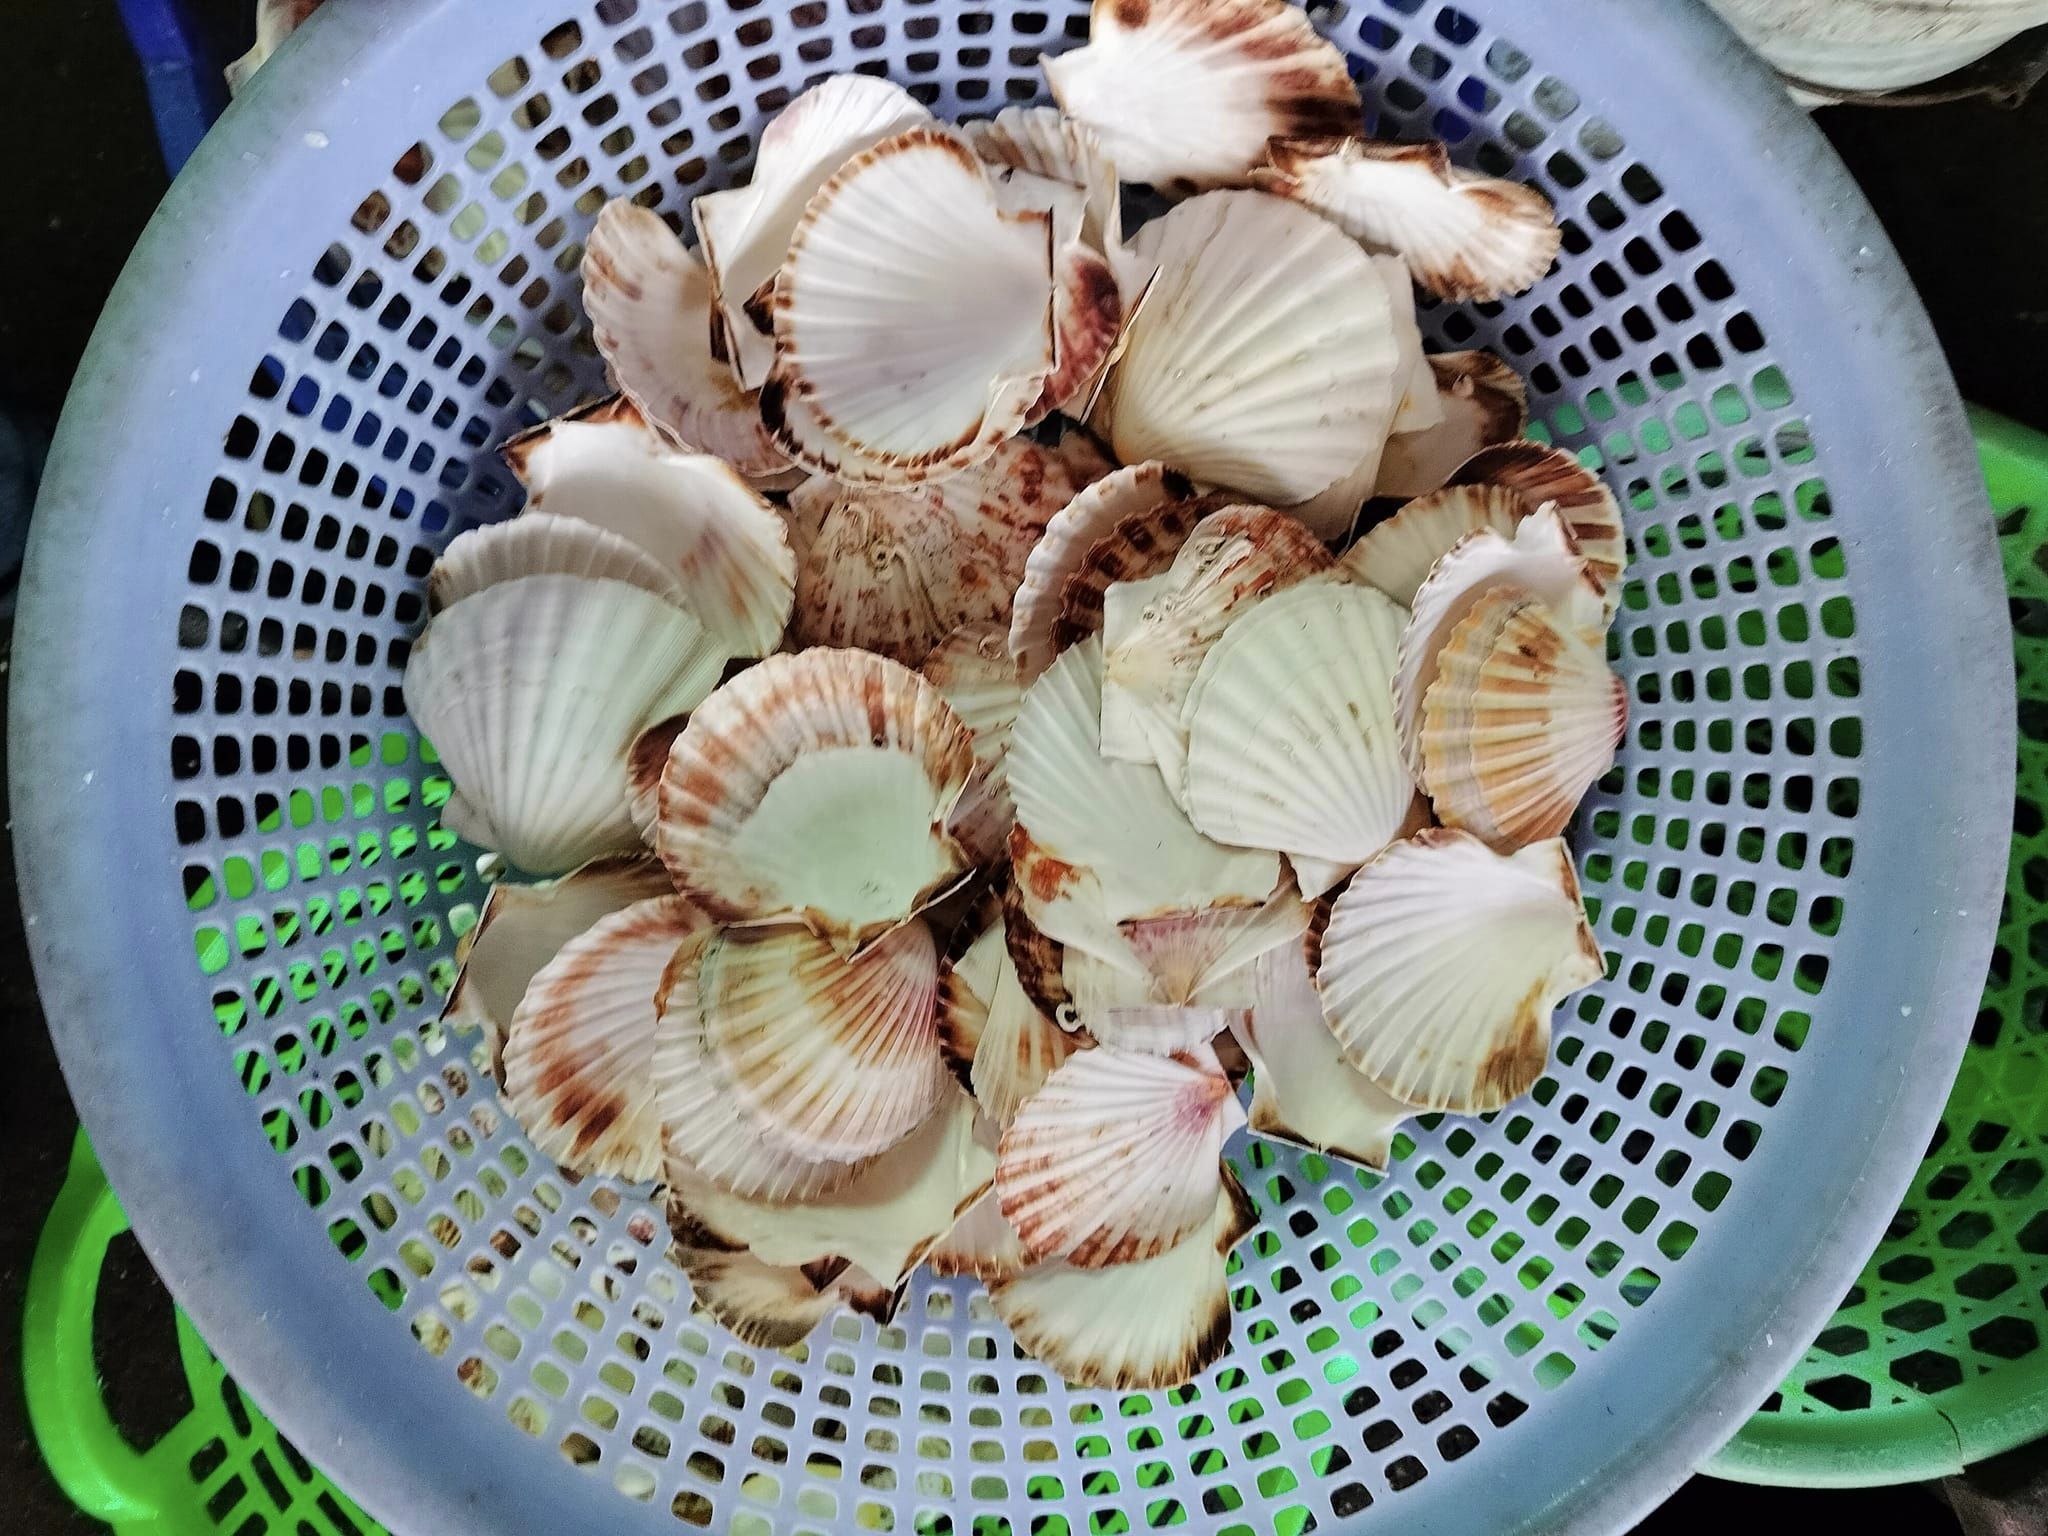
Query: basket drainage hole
[{"x": 135, "y": 1347}]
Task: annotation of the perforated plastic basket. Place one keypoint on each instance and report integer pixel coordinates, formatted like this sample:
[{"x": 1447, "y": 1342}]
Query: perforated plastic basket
[{"x": 243, "y": 910}]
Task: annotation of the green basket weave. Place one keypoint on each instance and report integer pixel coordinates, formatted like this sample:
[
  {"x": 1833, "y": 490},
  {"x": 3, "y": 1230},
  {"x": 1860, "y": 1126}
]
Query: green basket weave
[{"x": 1937, "y": 1356}]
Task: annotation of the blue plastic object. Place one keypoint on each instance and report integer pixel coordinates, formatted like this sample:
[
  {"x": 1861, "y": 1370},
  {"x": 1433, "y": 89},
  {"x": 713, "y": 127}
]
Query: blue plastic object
[{"x": 184, "y": 81}]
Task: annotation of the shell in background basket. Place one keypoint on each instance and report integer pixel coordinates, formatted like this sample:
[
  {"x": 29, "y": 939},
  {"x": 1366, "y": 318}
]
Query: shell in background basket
[
  {"x": 1543, "y": 476},
  {"x": 1443, "y": 961},
  {"x": 817, "y": 785},
  {"x": 1397, "y": 554},
  {"x": 1484, "y": 402},
  {"x": 541, "y": 544},
  {"x": 1185, "y": 93}
]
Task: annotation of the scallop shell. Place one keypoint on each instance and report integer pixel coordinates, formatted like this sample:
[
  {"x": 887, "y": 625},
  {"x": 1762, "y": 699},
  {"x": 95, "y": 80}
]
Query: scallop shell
[
  {"x": 705, "y": 1127},
  {"x": 1544, "y": 476},
  {"x": 579, "y": 1052},
  {"x": 1071, "y": 533},
  {"x": 646, "y": 761},
  {"x": 1115, "y": 1159},
  {"x": 1522, "y": 718},
  {"x": 1303, "y": 1090},
  {"x": 538, "y": 544},
  {"x": 1541, "y": 561},
  {"x": 649, "y": 302},
  {"x": 1089, "y": 301},
  {"x": 1116, "y": 821},
  {"x": 1043, "y": 141},
  {"x": 1265, "y": 355},
  {"x": 973, "y": 672},
  {"x": 1397, "y": 554},
  {"x": 522, "y": 927},
  {"x": 1065, "y": 905},
  {"x": 1231, "y": 562},
  {"x": 1464, "y": 236},
  {"x": 532, "y": 692},
  {"x": 746, "y": 229},
  {"x": 1292, "y": 743},
  {"x": 896, "y": 571},
  {"x": 1037, "y": 957},
  {"x": 722, "y": 543},
  {"x": 771, "y": 1306},
  {"x": 883, "y": 1220},
  {"x": 1132, "y": 1327},
  {"x": 818, "y": 785},
  {"x": 993, "y": 1035},
  {"x": 913, "y": 317},
  {"x": 1442, "y": 963},
  {"x": 1140, "y": 545},
  {"x": 982, "y": 1243},
  {"x": 830, "y": 1058},
  {"x": 1483, "y": 402},
  {"x": 1185, "y": 93}
]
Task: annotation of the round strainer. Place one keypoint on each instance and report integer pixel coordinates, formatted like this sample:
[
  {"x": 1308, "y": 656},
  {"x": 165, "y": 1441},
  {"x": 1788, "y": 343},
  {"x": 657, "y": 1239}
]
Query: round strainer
[{"x": 243, "y": 909}]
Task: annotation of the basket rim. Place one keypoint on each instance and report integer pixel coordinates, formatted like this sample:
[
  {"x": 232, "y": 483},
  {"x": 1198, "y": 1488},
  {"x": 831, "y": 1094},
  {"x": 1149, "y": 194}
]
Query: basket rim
[{"x": 355, "y": 1396}]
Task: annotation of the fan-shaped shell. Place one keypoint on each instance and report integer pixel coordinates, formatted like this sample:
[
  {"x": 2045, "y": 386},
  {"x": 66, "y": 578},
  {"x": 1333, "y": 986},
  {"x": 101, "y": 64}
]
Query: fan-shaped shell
[
  {"x": 1484, "y": 402},
  {"x": 532, "y": 691},
  {"x": 746, "y": 229},
  {"x": 1442, "y": 963},
  {"x": 1115, "y": 1159},
  {"x": 896, "y": 571},
  {"x": 1115, "y": 821},
  {"x": 1522, "y": 718},
  {"x": 1397, "y": 554},
  {"x": 1292, "y": 743},
  {"x": 1132, "y": 1327},
  {"x": 1185, "y": 93},
  {"x": 993, "y": 1035},
  {"x": 1153, "y": 647},
  {"x": 1545, "y": 476},
  {"x": 818, "y": 785},
  {"x": 649, "y": 302},
  {"x": 1541, "y": 561},
  {"x": 1092, "y": 514},
  {"x": 725, "y": 547},
  {"x": 913, "y": 317},
  {"x": 1464, "y": 236},
  {"x": 1264, "y": 357},
  {"x": 1140, "y": 545},
  {"x": 540, "y": 545},
  {"x": 579, "y": 1052},
  {"x": 830, "y": 1058}
]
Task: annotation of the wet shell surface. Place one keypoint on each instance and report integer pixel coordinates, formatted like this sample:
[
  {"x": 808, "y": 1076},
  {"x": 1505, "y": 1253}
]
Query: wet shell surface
[
  {"x": 992, "y": 1032},
  {"x": 1464, "y": 236},
  {"x": 1185, "y": 93},
  {"x": 1397, "y": 554},
  {"x": 1115, "y": 821},
  {"x": 1544, "y": 476},
  {"x": 1523, "y": 717},
  {"x": 913, "y": 316},
  {"x": 830, "y": 1058},
  {"x": 1482, "y": 401},
  {"x": 579, "y": 1052},
  {"x": 1264, "y": 357},
  {"x": 895, "y": 571},
  {"x": 1292, "y": 743},
  {"x": 1540, "y": 561},
  {"x": 532, "y": 692},
  {"x": 649, "y": 301},
  {"x": 819, "y": 785},
  {"x": 1132, "y": 1327},
  {"x": 538, "y": 544},
  {"x": 724, "y": 546},
  {"x": 746, "y": 229},
  {"x": 1443, "y": 961},
  {"x": 1117, "y": 1157}
]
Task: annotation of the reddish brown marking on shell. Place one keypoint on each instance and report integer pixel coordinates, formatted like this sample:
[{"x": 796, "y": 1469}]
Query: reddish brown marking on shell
[
  {"x": 760, "y": 307},
  {"x": 721, "y": 349},
  {"x": 1132, "y": 13},
  {"x": 879, "y": 1303},
  {"x": 822, "y": 1272},
  {"x": 1141, "y": 544},
  {"x": 593, "y": 1114},
  {"x": 1038, "y": 960},
  {"x": 649, "y": 754},
  {"x": 1511, "y": 1068},
  {"x": 695, "y": 798},
  {"x": 1050, "y": 878}
]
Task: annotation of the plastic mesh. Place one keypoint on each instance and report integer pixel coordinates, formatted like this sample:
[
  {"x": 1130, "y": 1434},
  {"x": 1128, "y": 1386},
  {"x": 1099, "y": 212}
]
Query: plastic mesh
[{"x": 1386, "y": 1329}]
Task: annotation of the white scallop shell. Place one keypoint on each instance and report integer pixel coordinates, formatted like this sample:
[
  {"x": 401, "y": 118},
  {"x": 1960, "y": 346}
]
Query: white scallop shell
[
  {"x": 973, "y": 672},
  {"x": 1264, "y": 357},
  {"x": 1115, "y": 821},
  {"x": 713, "y": 533},
  {"x": 1185, "y": 93},
  {"x": 1043, "y": 141},
  {"x": 1116, "y": 1158},
  {"x": 1396, "y": 554},
  {"x": 817, "y": 785},
  {"x": 913, "y": 317},
  {"x": 1292, "y": 743},
  {"x": 1542, "y": 561},
  {"x": 1442, "y": 963},
  {"x": 579, "y": 1052},
  {"x": 746, "y": 230},
  {"x": 532, "y": 691},
  {"x": 1464, "y": 236},
  {"x": 1523, "y": 717},
  {"x": 1545, "y": 476},
  {"x": 649, "y": 302},
  {"x": 992, "y": 1033},
  {"x": 1483, "y": 402},
  {"x": 538, "y": 544}
]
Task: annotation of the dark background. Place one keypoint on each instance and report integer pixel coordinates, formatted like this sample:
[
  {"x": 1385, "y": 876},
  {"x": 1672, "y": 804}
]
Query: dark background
[{"x": 1962, "y": 188}]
